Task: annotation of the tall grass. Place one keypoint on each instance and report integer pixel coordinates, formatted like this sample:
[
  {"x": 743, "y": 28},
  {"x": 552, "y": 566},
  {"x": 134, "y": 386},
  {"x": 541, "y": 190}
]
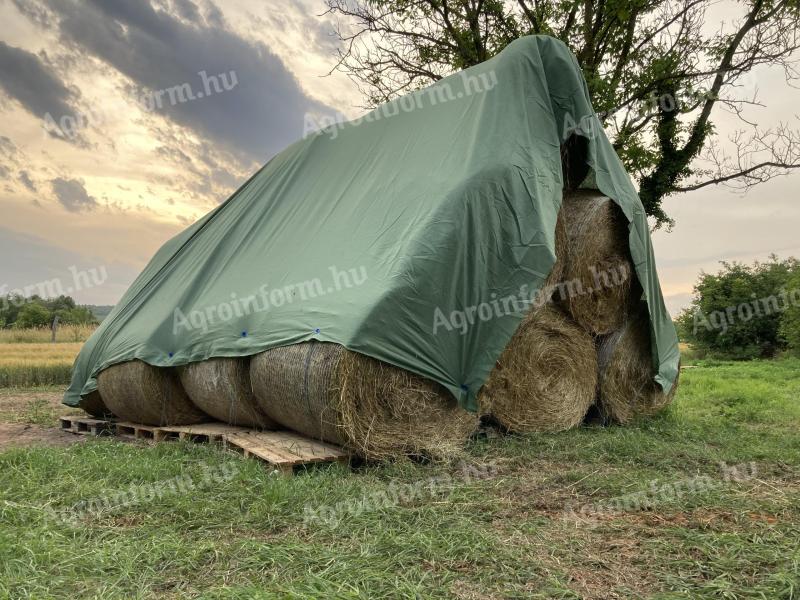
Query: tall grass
[
  {"x": 70, "y": 334},
  {"x": 28, "y": 364}
]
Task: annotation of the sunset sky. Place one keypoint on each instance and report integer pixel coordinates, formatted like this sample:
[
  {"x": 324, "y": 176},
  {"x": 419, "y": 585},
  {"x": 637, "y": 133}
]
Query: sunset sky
[{"x": 108, "y": 187}]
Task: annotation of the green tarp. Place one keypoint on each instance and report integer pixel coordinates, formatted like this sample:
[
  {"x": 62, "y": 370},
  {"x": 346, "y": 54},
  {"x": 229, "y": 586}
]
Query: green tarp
[{"x": 409, "y": 235}]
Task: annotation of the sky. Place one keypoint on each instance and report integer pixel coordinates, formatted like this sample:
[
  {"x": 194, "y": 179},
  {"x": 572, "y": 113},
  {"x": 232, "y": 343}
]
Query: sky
[{"x": 103, "y": 158}]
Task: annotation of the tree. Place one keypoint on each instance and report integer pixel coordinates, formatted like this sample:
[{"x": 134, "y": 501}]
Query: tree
[
  {"x": 60, "y": 303},
  {"x": 33, "y": 314},
  {"x": 10, "y": 305},
  {"x": 738, "y": 312},
  {"x": 790, "y": 323},
  {"x": 656, "y": 73},
  {"x": 80, "y": 315},
  {"x": 20, "y": 312}
]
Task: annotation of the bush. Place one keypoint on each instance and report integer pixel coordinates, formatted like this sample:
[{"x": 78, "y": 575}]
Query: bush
[
  {"x": 36, "y": 312},
  {"x": 31, "y": 315},
  {"x": 790, "y": 322},
  {"x": 737, "y": 313}
]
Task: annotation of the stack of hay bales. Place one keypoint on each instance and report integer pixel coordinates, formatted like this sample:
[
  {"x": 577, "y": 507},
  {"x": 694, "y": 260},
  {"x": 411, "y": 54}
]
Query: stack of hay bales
[
  {"x": 584, "y": 341},
  {"x": 319, "y": 389},
  {"x": 589, "y": 343},
  {"x": 603, "y": 295}
]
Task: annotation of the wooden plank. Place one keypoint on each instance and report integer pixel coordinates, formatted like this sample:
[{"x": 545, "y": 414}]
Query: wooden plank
[
  {"x": 126, "y": 429},
  {"x": 94, "y": 427},
  {"x": 86, "y": 426},
  {"x": 284, "y": 449},
  {"x": 306, "y": 448},
  {"x": 275, "y": 445},
  {"x": 251, "y": 446},
  {"x": 145, "y": 433},
  {"x": 203, "y": 432},
  {"x": 135, "y": 430}
]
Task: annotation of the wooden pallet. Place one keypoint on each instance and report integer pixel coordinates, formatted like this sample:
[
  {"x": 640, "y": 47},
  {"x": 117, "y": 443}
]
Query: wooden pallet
[
  {"x": 87, "y": 426},
  {"x": 135, "y": 430},
  {"x": 284, "y": 450},
  {"x": 207, "y": 433}
]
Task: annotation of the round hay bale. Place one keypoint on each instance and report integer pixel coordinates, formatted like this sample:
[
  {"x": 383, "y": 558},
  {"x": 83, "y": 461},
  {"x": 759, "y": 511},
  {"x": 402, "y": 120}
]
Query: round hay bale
[
  {"x": 598, "y": 270},
  {"x": 380, "y": 411},
  {"x": 295, "y": 386},
  {"x": 546, "y": 378},
  {"x": 93, "y": 404},
  {"x": 385, "y": 410},
  {"x": 561, "y": 248},
  {"x": 138, "y": 392},
  {"x": 627, "y": 388},
  {"x": 220, "y": 387}
]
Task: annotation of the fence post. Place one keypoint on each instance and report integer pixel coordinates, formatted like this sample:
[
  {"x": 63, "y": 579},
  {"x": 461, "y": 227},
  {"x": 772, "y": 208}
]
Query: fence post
[{"x": 54, "y": 328}]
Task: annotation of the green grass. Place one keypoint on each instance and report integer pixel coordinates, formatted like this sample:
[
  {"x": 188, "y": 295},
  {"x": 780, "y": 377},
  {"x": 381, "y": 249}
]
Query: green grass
[
  {"x": 30, "y": 375},
  {"x": 33, "y": 406},
  {"x": 506, "y": 536}
]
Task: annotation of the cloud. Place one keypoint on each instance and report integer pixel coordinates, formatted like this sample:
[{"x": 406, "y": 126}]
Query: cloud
[
  {"x": 72, "y": 195},
  {"x": 7, "y": 147},
  {"x": 35, "y": 13},
  {"x": 256, "y": 117},
  {"x": 25, "y": 179},
  {"x": 188, "y": 10},
  {"x": 28, "y": 80}
]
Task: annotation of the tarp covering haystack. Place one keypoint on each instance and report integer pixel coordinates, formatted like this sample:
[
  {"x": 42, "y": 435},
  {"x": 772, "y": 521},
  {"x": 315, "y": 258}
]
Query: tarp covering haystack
[{"x": 394, "y": 274}]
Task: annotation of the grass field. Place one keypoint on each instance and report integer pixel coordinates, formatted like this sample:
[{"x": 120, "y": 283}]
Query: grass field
[
  {"x": 702, "y": 502},
  {"x": 33, "y": 364},
  {"x": 64, "y": 334}
]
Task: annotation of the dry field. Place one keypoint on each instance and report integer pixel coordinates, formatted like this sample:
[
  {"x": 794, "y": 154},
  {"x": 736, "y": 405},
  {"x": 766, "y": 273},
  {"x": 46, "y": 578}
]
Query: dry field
[
  {"x": 32, "y": 364},
  {"x": 28, "y": 358},
  {"x": 65, "y": 334}
]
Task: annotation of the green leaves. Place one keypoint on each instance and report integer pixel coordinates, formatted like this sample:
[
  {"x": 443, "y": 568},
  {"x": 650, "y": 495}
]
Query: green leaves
[{"x": 746, "y": 312}]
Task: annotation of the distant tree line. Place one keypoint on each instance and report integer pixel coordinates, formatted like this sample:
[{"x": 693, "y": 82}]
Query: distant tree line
[
  {"x": 745, "y": 311},
  {"x": 22, "y": 313}
]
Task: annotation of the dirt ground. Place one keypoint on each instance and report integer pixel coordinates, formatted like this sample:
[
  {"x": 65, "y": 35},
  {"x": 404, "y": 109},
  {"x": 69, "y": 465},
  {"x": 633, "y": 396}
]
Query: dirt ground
[
  {"x": 21, "y": 435},
  {"x": 30, "y": 418}
]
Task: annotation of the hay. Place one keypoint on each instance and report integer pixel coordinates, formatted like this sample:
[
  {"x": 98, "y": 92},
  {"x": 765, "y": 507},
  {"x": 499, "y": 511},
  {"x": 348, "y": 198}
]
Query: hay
[
  {"x": 220, "y": 387},
  {"x": 561, "y": 247},
  {"x": 93, "y": 404},
  {"x": 379, "y": 411},
  {"x": 598, "y": 270},
  {"x": 294, "y": 386},
  {"x": 138, "y": 392},
  {"x": 546, "y": 378},
  {"x": 627, "y": 389},
  {"x": 386, "y": 411}
]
